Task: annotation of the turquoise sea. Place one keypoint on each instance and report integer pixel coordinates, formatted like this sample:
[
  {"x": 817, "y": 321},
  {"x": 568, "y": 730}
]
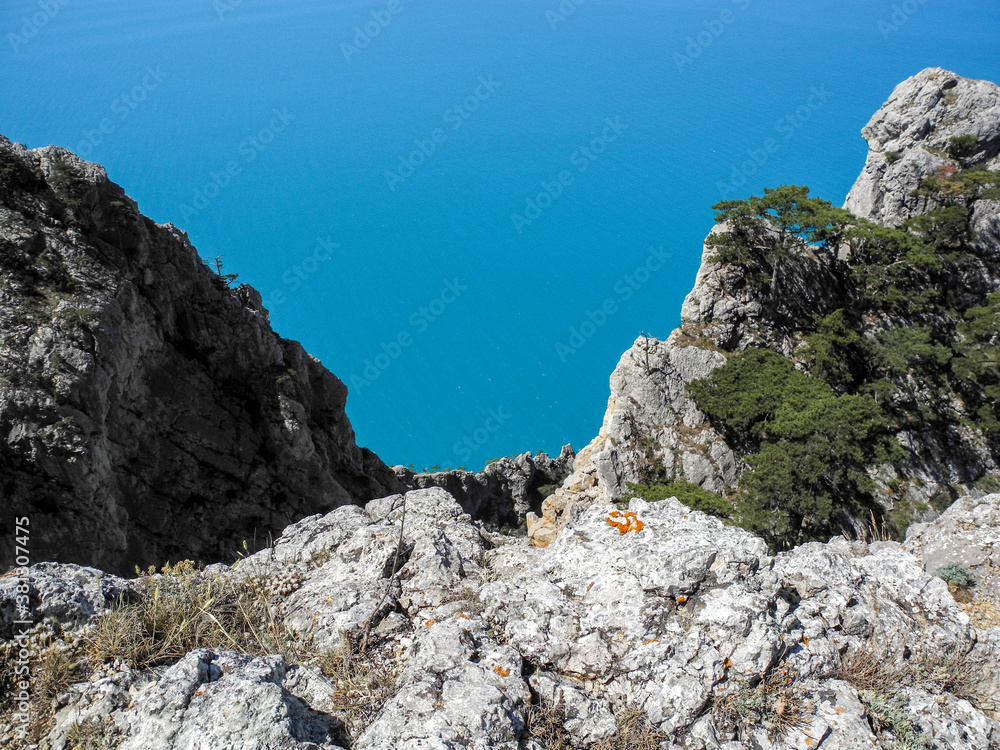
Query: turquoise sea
[{"x": 468, "y": 209}]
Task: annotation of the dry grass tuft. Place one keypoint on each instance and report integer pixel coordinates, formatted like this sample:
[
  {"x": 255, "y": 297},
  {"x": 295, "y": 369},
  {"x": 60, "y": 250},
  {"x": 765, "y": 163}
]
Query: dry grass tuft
[
  {"x": 52, "y": 667},
  {"x": 97, "y": 734},
  {"x": 775, "y": 704},
  {"x": 363, "y": 680},
  {"x": 635, "y": 732},
  {"x": 547, "y": 726},
  {"x": 181, "y": 610},
  {"x": 883, "y": 669}
]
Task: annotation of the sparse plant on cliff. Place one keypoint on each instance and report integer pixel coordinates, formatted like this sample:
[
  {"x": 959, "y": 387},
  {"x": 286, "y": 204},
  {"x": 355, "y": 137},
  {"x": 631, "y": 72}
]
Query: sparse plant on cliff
[
  {"x": 775, "y": 704},
  {"x": 688, "y": 493},
  {"x": 225, "y": 279},
  {"x": 960, "y": 146},
  {"x": 956, "y": 574}
]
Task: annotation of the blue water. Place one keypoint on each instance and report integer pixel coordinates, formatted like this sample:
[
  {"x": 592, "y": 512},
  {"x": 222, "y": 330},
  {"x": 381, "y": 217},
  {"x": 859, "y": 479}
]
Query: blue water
[{"x": 450, "y": 321}]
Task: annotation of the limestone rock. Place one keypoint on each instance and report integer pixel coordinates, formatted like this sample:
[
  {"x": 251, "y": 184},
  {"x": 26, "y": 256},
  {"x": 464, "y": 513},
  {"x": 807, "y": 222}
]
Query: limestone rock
[
  {"x": 966, "y": 534},
  {"x": 914, "y": 126},
  {"x": 657, "y": 613},
  {"x": 70, "y": 594},
  {"x": 506, "y": 490}
]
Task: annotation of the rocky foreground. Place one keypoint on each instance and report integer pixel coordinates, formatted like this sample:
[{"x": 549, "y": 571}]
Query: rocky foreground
[{"x": 406, "y": 625}]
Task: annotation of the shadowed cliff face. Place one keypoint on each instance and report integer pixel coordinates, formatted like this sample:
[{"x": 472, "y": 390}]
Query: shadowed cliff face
[{"x": 147, "y": 411}]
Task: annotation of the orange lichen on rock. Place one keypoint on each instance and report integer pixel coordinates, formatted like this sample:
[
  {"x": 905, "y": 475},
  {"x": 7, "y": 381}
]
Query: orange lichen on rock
[
  {"x": 625, "y": 521},
  {"x": 681, "y": 598},
  {"x": 501, "y": 671},
  {"x": 429, "y": 623}
]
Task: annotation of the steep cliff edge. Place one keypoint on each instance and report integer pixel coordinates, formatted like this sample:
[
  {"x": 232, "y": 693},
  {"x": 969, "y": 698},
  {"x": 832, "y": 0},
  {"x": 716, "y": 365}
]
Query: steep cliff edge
[
  {"x": 933, "y": 154},
  {"x": 147, "y": 411}
]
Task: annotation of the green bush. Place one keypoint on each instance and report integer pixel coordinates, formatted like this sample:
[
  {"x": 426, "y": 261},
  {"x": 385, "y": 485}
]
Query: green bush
[
  {"x": 957, "y": 574},
  {"x": 808, "y": 448},
  {"x": 688, "y": 493},
  {"x": 962, "y": 145},
  {"x": 889, "y": 714}
]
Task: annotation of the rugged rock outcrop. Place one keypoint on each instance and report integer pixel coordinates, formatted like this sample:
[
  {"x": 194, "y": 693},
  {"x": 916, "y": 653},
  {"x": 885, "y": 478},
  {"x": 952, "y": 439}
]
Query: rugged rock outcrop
[
  {"x": 909, "y": 140},
  {"x": 653, "y": 429},
  {"x": 651, "y": 626},
  {"x": 506, "y": 490},
  {"x": 966, "y": 534},
  {"x": 147, "y": 411}
]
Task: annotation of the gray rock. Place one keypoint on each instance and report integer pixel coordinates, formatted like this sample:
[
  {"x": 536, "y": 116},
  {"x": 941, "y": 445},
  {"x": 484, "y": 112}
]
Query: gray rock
[
  {"x": 967, "y": 534},
  {"x": 227, "y": 700},
  {"x": 506, "y": 490},
  {"x": 658, "y": 609},
  {"x": 915, "y": 125},
  {"x": 69, "y": 594}
]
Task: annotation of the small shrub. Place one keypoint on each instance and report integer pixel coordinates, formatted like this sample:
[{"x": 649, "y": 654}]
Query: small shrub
[
  {"x": 688, "y": 493},
  {"x": 956, "y": 574},
  {"x": 888, "y": 714},
  {"x": 962, "y": 145},
  {"x": 78, "y": 317},
  {"x": 547, "y": 490},
  {"x": 893, "y": 156}
]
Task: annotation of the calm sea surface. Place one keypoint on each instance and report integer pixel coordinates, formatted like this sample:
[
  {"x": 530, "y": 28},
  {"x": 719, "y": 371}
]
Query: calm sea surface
[{"x": 468, "y": 209}]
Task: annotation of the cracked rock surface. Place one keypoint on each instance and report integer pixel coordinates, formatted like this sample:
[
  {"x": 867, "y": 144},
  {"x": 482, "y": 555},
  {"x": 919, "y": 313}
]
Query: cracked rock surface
[{"x": 652, "y": 611}]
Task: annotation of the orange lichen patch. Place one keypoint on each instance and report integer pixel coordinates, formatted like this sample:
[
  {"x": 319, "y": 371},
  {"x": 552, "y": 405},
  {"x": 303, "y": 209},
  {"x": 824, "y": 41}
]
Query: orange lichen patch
[
  {"x": 810, "y": 742},
  {"x": 625, "y": 521},
  {"x": 651, "y": 640},
  {"x": 681, "y": 598},
  {"x": 501, "y": 671},
  {"x": 462, "y": 616},
  {"x": 727, "y": 664},
  {"x": 805, "y": 640},
  {"x": 429, "y": 623},
  {"x": 589, "y": 587},
  {"x": 199, "y": 692}
]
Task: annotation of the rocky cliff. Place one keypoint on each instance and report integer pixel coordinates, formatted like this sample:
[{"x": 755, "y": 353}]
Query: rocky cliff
[
  {"x": 935, "y": 127},
  {"x": 147, "y": 411}
]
